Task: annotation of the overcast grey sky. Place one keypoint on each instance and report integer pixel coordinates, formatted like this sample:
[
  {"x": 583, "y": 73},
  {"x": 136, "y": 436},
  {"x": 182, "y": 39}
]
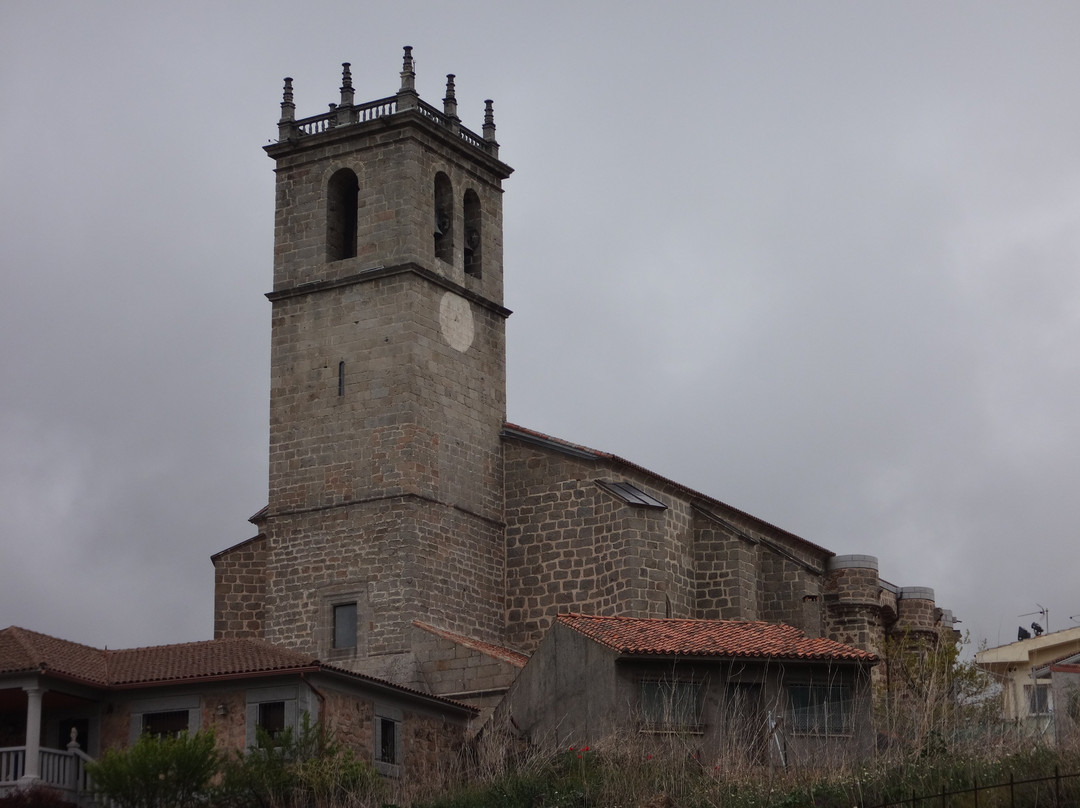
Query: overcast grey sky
[{"x": 818, "y": 260}]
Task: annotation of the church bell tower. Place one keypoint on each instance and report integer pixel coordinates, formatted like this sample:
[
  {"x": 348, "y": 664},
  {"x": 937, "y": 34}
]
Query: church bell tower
[{"x": 388, "y": 379}]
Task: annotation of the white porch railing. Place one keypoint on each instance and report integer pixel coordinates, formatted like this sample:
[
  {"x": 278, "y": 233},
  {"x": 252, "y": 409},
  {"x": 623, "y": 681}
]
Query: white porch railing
[
  {"x": 12, "y": 764},
  {"x": 63, "y": 770}
]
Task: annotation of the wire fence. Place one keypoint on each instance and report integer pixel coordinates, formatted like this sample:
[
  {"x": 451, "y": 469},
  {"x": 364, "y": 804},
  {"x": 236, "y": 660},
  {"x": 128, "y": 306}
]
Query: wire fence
[{"x": 1054, "y": 791}]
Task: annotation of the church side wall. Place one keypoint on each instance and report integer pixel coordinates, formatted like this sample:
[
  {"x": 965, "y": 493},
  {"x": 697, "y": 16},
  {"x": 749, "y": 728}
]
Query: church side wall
[
  {"x": 725, "y": 572},
  {"x": 790, "y": 593},
  {"x": 572, "y": 546}
]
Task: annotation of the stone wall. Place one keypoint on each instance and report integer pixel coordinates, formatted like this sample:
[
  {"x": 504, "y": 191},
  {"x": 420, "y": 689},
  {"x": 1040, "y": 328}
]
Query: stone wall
[
  {"x": 453, "y": 669},
  {"x": 115, "y": 727},
  {"x": 240, "y": 590},
  {"x": 352, "y": 419},
  {"x": 573, "y": 546},
  {"x": 350, "y": 720},
  {"x": 432, "y": 747},
  {"x": 387, "y": 397},
  {"x": 916, "y": 612},
  {"x": 725, "y": 571},
  {"x": 395, "y": 162},
  {"x": 398, "y": 559},
  {"x": 224, "y": 711}
]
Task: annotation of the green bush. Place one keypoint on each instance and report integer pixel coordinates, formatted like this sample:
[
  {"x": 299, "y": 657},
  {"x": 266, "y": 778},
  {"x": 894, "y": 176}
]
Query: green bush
[
  {"x": 157, "y": 772},
  {"x": 297, "y": 768}
]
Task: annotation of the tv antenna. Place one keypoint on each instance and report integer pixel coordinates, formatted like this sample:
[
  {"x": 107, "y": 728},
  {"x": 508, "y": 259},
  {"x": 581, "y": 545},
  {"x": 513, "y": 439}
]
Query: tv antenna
[{"x": 1045, "y": 612}]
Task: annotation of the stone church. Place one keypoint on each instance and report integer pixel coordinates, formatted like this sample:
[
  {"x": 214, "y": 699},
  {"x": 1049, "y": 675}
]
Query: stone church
[
  {"x": 411, "y": 532},
  {"x": 425, "y": 570}
]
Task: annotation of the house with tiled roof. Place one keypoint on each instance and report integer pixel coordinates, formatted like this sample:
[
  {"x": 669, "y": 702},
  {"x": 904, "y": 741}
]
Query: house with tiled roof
[
  {"x": 62, "y": 703},
  {"x": 731, "y": 691}
]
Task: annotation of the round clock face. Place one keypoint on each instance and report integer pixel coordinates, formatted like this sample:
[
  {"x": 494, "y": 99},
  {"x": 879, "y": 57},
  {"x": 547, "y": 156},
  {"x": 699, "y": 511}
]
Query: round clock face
[{"x": 456, "y": 321}]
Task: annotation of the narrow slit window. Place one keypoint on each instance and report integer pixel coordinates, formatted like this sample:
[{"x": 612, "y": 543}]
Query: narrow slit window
[{"x": 341, "y": 378}]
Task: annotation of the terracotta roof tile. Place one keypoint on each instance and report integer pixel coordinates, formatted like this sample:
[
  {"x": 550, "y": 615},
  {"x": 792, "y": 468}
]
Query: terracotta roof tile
[
  {"x": 202, "y": 660},
  {"x": 22, "y": 650},
  {"x": 495, "y": 651},
  {"x": 710, "y": 638}
]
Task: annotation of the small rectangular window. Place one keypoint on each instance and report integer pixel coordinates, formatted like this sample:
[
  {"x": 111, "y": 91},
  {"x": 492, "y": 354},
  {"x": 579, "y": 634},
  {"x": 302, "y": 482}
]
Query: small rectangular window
[
  {"x": 165, "y": 724},
  {"x": 345, "y": 625},
  {"x": 388, "y": 740},
  {"x": 1038, "y": 699},
  {"x": 271, "y": 718}
]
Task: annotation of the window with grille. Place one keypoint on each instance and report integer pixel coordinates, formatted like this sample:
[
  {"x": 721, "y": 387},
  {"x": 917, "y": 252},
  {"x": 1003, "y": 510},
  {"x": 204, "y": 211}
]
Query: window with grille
[
  {"x": 271, "y": 719},
  {"x": 1038, "y": 699},
  {"x": 821, "y": 709},
  {"x": 167, "y": 724},
  {"x": 671, "y": 705},
  {"x": 388, "y": 740}
]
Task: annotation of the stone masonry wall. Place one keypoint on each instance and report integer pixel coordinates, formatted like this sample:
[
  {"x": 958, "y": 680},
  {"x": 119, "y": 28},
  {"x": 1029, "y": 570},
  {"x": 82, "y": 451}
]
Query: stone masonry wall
[
  {"x": 229, "y": 728},
  {"x": 916, "y": 612},
  {"x": 398, "y": 559},
  {"x": 852, "y": 602},
  {"x": 429, "y": 744},
  {"x": 352, "y": 419},
  {"x": 789, "y": 592},
  {"x": 725, "y": 572},
  {"x": 115, "y": 727},
  {"x": 573, "y": 546},
  {"x": 240, "y": 590},
  {"x": 452, "y": 669},
  {"x": 430, "y": 747},
  {"x": 350, "y": 720},
  {"x": 395, "y": 161}
]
